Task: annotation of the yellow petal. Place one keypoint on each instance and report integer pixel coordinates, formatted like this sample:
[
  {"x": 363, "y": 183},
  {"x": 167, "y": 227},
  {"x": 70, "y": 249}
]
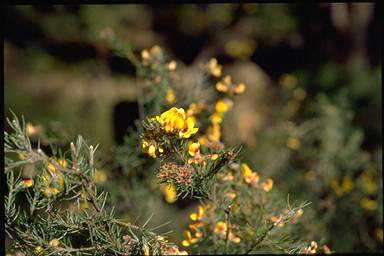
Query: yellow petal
[
  {"x": 193, "y": 216},
  {"x": 185, "y": 243},
  {"x": 151, "y": 151}
]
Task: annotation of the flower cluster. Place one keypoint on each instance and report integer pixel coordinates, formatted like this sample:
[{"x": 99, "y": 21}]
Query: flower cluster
[
  {"x": 156, "y": 69},
  {"x": 170, "y": 193},
  {"x": 313, "y": 248},
  {"x": 221, "y": 228},
  {"x": 174, "y": 122},
  {"x": 213, "y": 67},
  {"x": 252, "y": 178},
  {"x": 197, "y": 156},
  {"x": 195, "y": 227},
  {"x": 53, "y": 181},
  {"x": 227, "y": 86},
  {"x": 345, "y": 186},
  {"x": 279, "y": 220},
  {"x": 154, "y": 57}
]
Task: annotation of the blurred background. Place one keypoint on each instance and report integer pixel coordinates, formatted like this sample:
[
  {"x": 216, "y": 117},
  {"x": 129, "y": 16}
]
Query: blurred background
[{"x": 310, "y": 117}]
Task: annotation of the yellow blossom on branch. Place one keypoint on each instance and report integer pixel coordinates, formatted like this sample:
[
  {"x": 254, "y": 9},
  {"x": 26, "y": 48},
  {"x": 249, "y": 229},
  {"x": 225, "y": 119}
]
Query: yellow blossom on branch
[
  {"x": 172, "y": 65},
  {"x": 28, "y": 183},
  {"x": 100, "y": 176},
  {"x": 170, "y": 194},
  {"x": 216, "y": 118},
  {"x": 214, "y": 68},
  {"x": 267, "y": 185},
  {"x": 194, "y": 148},
  {"x": 170, "y": 96},
  {"x": 293, "y": 143},
  {"x": 199, "y": 215},
  {"x": 32, "y": 130},
  {"x": 221, "y": 228},
  {"x": 214, "y": 133},
  {"x": 249, "y": 175},
  {"x": 189, "y": 239},
  {"x": 239, "y": 88},
  {"x": 174, "y": 120},
  {"x": 368, "y": 204},
  {"x": 223, "y": 106}
]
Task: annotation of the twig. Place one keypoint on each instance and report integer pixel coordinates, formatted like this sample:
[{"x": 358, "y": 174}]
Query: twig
[{"x": 260, "y": 239}]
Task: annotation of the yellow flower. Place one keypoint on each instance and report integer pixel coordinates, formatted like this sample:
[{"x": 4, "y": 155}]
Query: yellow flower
[
  {"x": 249, "y": 175},
  {"x": 347, "y": 184},
  {"x": 203, "y": 140},
  {"x": 189, "y": 128},
  {"x": 228, "y": 177},
  {"x": 238, "y": 89},
  {"x": 22, "y": 156},
  {"x": 28, "y": 183},
  {"x": 312, "y": 248},
  {"x": 246, "y": 170},
  {"x": 53, "y": 183},
  {"x": 214, "y": 68},
  {"x": 170, "y": 194},
  {"x": 193, "y": 148},
  {"x": 216, "y": 118},
  {"x": 189, "y": 239},
  {"x": 221, "y": 227},
  {"x": 145, "y": 144},
  {"x": 194, "y": 108},
  {"x": 54, "y": 243},
  {"x": 100, "y": 176},
  {"x": 227, "y": 80},
  {"x": 336, "y": 187},
  {"x": 293, "y": 143},
  {"x": 199, "y": 215},
  {"x": 277, "y": 221},
  {"x": 223, "y": 106},
  {"x": 298, "y": 213},
  {"x": 38, "y": 250},
  {"x": 50, "y": 191},
  {"x": 155, "y": 49},
  {"x": 145, "y": 54},
  {"x": 175, "y": 251},
  {"x": 170, "y": 96},
  {"x": 172, "y": 119},
  {"x": 152, "y": 151},
  {"x": 214, "y": 157},
  {"x": 369, "y": 183},
  {"x": 172, "y": 65},
  {"x": 221, "y": 87},
  {"x": 233, "y": 238},
  {"x": 214, "y": 133},
  {"x": 31, "y": 129},
  {"x": 368, "y": 204},
  {"x": 267, "y": 185},
  {"x": 62, "y": 162},
  {"x": 231, "y": 195},
  {"x": 146, "y": 250}
]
